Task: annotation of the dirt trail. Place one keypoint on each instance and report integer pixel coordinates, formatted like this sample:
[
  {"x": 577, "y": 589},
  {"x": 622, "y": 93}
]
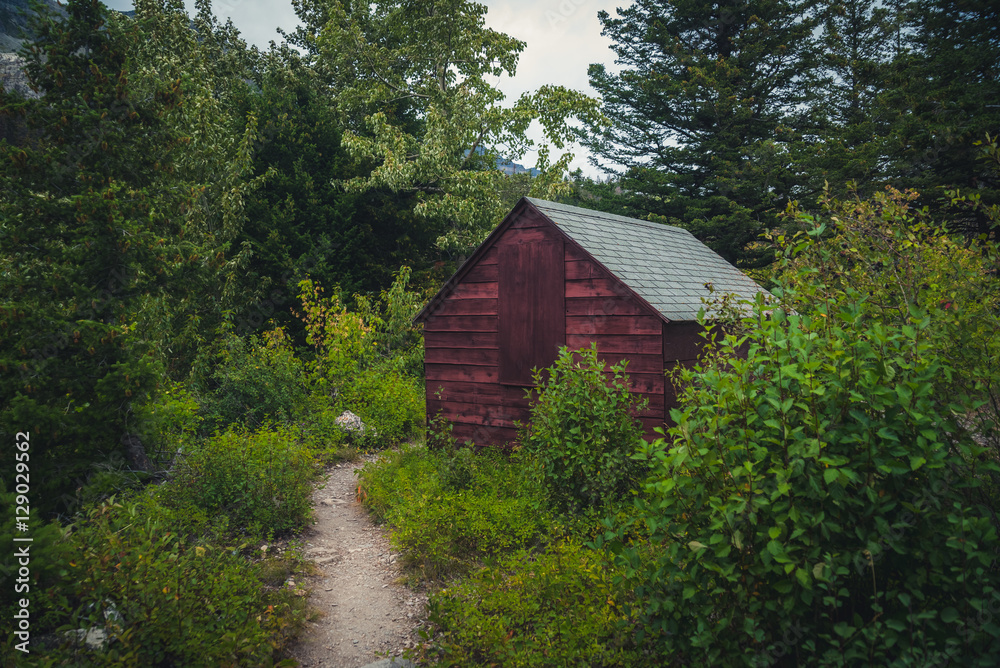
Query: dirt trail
[{"x": 366, "y": 615}]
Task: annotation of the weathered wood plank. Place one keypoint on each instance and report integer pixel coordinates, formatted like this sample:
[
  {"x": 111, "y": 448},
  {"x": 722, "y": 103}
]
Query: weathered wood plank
[
  {"x": 481, "y": 273},
  {"x": 461, "y": 323},
  {"x": 479, "y": 393},
  {"x": 598, "y": 287},
  {"x": 534, "y": 235},
  {"x": 648, "y": 344},
  {"x": 646, "y": 383},
  {"x": 489, "y": 257},
  {"x": 529, "y": 219},
  {"x": 460, "y": 340},
  {"x": 613, "y": 324},
  {"x": 447, "y": 372},
  {"x": 485, "y": 415},
  {"x": 604, "y": 306},
  {"x": 637, "y": 363},
  {"x": 574, "y": 254},
  {"x": 582, "y": 269},
  {"x": 467, "y": 307},
  {"x": 474, "y": 356},
  {"x": 474, "y": 291}
]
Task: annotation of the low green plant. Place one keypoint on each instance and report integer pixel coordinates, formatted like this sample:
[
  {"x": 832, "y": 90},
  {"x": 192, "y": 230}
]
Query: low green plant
[
  {"x": 443, "y": 522},
  {"x": 319, "y": 431},
  {"x": 171, "y": 419},
  {"x": 583, "y": 431},
  {"x": 261, "y": 480},
  {"x": 389, "y": 403},
  {"x": 48, "y": 552},
  {"x": 163, "y": 587},
  {"x": 558, "y": 608},
  {"x": 391, "y": 318},
  {"x": 252, "y": 381}
]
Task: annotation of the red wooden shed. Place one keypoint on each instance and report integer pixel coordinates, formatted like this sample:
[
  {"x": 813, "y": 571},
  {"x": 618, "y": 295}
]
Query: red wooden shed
[{"x": 551, "y": 275}]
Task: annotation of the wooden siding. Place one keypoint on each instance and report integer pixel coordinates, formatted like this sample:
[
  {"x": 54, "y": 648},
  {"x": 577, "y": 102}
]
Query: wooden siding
[
  {"x": 682, "y": 342},
  {"x": 601, "y": 309},
  {"x": 462, "y": 338}
]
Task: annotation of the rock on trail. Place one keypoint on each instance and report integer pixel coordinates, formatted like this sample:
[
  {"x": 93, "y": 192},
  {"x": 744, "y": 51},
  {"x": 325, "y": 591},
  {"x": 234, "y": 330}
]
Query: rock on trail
[{"x": 366, "y": 616}]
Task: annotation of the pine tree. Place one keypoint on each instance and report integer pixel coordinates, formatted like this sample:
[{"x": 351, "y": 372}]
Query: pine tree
[
  {"x": 109, "y": 243},
  {"x": 949, "y": 99},
  {"x": 856, "y": 50},
  {"x": 73, "y": 230},
  {"x": 708, "y": 112}
]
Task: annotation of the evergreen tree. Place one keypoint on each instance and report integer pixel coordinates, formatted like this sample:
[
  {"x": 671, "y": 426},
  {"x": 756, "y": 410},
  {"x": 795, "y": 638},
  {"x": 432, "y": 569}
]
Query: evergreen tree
[
  {"x": 106, "y": 249},
  {"x": 708, "y": 113},
  {"x": 949, "y": 99},
  {"x": 857, "y": 47},
  {"x": 301, "y": 223}
]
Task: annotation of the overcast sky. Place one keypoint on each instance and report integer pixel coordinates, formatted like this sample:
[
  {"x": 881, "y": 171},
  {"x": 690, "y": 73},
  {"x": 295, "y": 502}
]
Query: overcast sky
[{"x": 563, "y": 37}]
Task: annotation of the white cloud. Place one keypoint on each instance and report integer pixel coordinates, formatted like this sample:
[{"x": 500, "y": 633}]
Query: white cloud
[{"x": 563, "y": 37}]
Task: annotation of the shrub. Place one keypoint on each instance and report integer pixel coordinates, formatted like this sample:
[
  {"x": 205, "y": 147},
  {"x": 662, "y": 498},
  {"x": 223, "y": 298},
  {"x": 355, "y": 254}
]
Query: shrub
[
  {"x": 261, "y": 480},
  {"x": 165, "y": 591},
  {"x": 583, "y": 433},
  {"x": 319, "y": 431},
  {"x": 48, "y": 553},
  {"x": 386, "y": 401},
  {"x": 253, "y": 381},
  {"x": 558, "y": 608},
  {"x": 444, "y": 527},
  {"x": 817, "y": 502},
  {"x": 168, "y": 421},
  {"x": 343, "y": 342},
  {"x": 391, "y": 319}
]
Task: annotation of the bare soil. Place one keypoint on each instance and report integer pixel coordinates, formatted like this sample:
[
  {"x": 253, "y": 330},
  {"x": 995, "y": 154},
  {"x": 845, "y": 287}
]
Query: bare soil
[{"x": 365, "y": 614}]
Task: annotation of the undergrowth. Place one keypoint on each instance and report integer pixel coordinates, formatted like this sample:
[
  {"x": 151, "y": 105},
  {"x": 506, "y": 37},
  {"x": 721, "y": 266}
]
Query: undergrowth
[{"x": 450, "y": 509}]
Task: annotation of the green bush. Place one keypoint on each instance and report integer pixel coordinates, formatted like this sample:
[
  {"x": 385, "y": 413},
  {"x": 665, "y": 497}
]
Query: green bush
[
  {"x": 443, "y": 526},
  {"x": 48, "y": 553},
  {"x": 386, "y": 401},
  {"x": 583, "y": 433},
  {"x": 559, "y": 608},
  {"x": 319, "y": 431},
  {"x": 169, "y": 420},
  {"x": 252, "y": 381},
  {"x": 817, "y": 503},
  {"x": 261, "y": 480},
  {"x": 165, "y": 590}
]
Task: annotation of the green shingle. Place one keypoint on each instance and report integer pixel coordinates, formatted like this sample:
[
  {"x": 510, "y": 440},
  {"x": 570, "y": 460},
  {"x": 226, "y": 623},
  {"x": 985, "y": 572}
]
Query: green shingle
[{"x": 664, "y": 265}]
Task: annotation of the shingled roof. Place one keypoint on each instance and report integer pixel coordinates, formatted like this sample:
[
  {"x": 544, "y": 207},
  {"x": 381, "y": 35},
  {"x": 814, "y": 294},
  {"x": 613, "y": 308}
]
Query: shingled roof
[{"x": 664, "y": 265}]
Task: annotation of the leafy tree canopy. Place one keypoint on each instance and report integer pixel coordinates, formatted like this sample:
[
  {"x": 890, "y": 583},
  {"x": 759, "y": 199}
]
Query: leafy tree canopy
[{"x": 411, "y": 81}]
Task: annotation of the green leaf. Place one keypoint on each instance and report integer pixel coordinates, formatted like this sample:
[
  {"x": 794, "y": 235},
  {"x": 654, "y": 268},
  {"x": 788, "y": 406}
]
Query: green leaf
[{"x": 916, "y": 462}]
